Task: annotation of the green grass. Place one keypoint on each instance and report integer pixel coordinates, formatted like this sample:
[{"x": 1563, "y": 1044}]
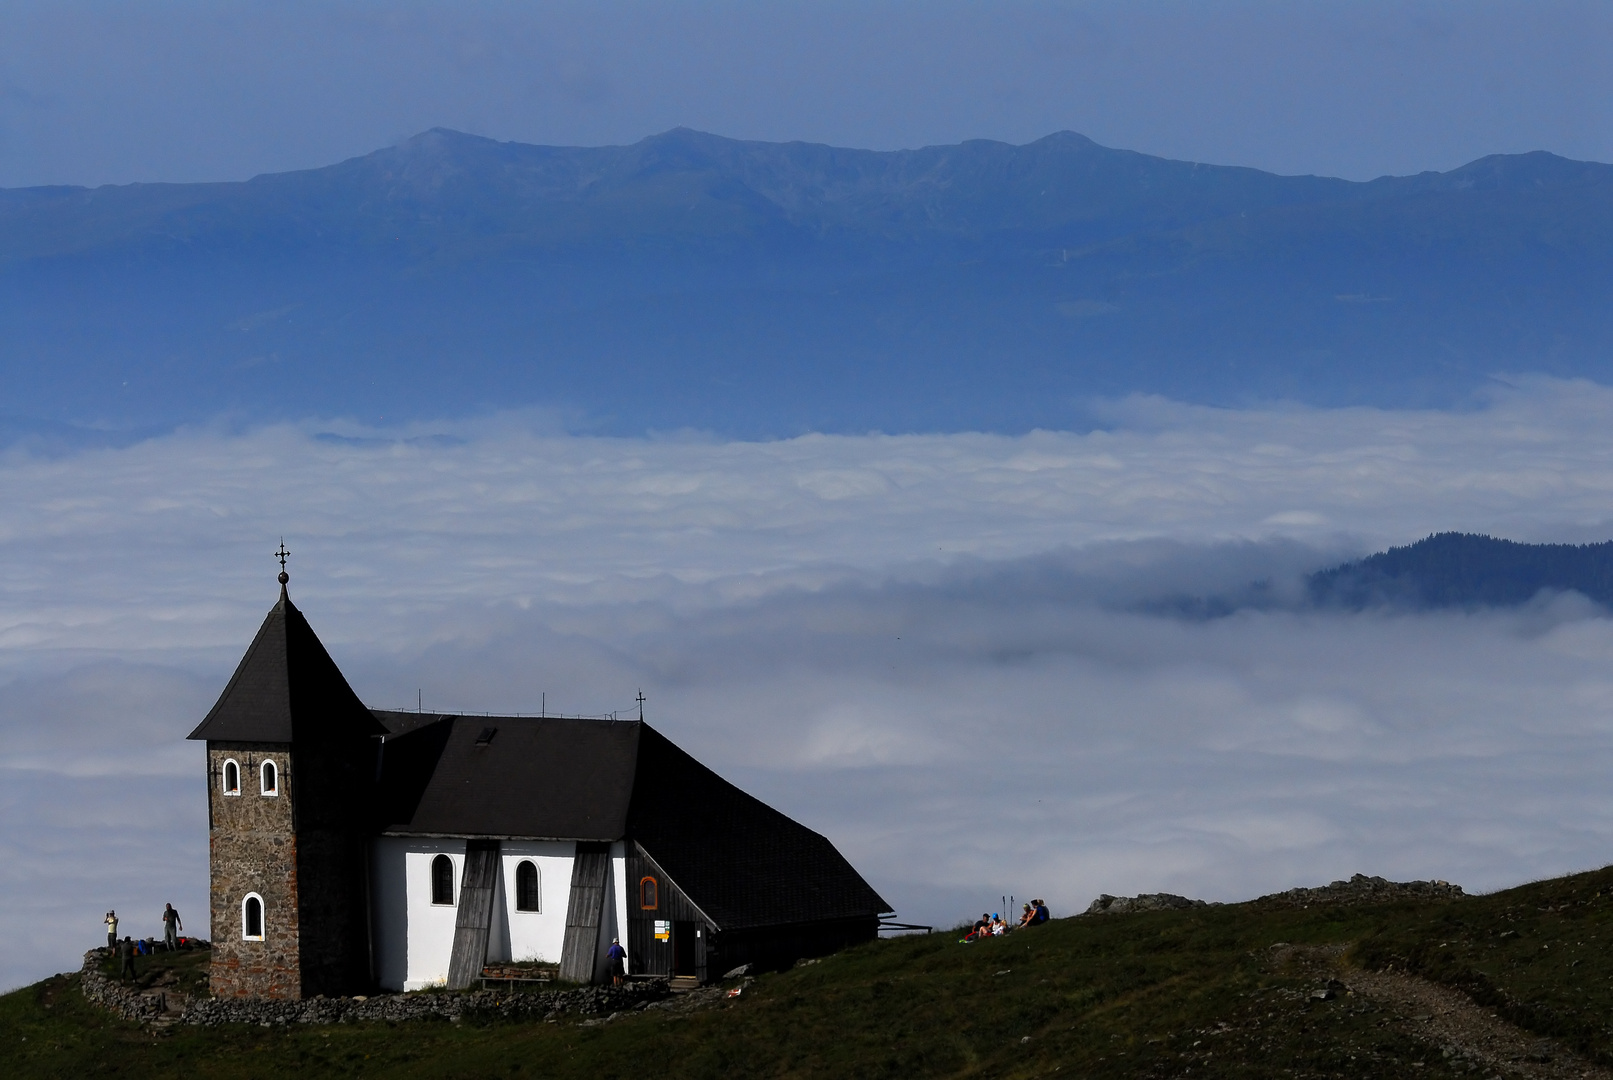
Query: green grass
[{"x": 1154, "y": 994}]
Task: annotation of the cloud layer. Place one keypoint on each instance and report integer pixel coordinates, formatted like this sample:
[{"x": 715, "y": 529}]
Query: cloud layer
[{"x": 954, "y": 654}]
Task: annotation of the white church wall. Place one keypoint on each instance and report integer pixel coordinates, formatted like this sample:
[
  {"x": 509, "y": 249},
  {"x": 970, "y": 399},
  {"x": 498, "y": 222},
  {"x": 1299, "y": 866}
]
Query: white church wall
[
  {"x": 498, "y": 929},
  {"x": 534, "y": 935},
  {"x": 389, "y": 910},
  {"x": 617, "y": 920},
  {"x": 414, "y": 938}
]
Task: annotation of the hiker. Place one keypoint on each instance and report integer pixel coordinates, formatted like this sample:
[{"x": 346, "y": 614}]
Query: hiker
[
  {"x": 1027, "y": 919},
  {"x": 998, "y": 927},
  {"x": 126, "y": 951},
  {"x": 112, "y": 931},
  {"x": 1041, "y": 913},
  {"x": 171, "y": 926},
  {"x": 616, "y": 954},
  {"x": 980, "y": 929}
]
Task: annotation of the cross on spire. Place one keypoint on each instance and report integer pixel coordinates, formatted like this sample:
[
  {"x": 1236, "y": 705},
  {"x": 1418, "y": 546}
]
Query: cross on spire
[
  {"x": 281, "y": 555},
  {"x": 641, "y": 700}
]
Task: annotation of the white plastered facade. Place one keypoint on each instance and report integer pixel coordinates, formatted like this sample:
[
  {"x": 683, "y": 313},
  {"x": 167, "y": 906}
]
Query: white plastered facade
[{"x": 414, "y": 938}]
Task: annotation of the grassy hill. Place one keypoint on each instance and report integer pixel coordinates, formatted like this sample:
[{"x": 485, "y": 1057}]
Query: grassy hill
[{"x": 1267, "y": 988}]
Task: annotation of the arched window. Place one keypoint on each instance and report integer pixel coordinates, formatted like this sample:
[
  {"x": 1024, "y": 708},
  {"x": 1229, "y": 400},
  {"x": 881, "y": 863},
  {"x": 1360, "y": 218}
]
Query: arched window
[
  {"x": 528, "y": 894},
  {"x": 442, "y": 880},
  {"x": 270, "y": 777},
  {"x": 232, "y": 777},
  {"x": 648, "y": 894},
  {"x": 252, "y": 917}
]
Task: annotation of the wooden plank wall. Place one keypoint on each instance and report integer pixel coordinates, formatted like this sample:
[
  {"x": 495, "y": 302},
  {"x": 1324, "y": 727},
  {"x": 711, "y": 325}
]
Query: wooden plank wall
[
  {"x": 647, "y": 956},
  {"x": 475, "y": 914},
  {"x": 590, "y": 871}
]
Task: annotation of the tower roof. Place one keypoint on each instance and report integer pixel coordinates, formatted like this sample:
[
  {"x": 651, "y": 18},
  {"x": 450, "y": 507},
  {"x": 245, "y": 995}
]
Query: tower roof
[{"x": 286, "y": 689}]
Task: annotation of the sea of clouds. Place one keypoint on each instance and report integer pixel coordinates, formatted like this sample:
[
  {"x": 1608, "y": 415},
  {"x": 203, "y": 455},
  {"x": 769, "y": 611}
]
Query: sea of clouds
[{"x": 1055, "y": 664}]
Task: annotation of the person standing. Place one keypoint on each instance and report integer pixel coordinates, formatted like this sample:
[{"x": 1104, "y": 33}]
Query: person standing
[
  {"x": 126, "y": 951},
  {"x": 617, "y": 955},
  {"x": 112, "y": 930},
  {"x": 170, "y": 928}
]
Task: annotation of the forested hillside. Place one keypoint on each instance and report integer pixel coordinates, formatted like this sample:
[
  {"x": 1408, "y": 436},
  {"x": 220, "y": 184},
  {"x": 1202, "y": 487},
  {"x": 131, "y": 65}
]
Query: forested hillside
[{"x": 1465, "y": 570}]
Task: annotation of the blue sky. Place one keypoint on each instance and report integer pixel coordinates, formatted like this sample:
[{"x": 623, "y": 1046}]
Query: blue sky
[{"x": 95, "y": 93}]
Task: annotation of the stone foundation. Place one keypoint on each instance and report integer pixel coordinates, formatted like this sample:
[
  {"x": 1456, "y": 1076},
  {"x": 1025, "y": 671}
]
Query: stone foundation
[{"x": 518, "y": 1004}]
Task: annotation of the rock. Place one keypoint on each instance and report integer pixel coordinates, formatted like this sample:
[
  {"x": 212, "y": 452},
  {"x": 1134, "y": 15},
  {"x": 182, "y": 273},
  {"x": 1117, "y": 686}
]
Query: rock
[
  {"x": 1125, "y": 905},
  {"x": 739, "y": 972},
  {"x": 1361, "y": 889}
]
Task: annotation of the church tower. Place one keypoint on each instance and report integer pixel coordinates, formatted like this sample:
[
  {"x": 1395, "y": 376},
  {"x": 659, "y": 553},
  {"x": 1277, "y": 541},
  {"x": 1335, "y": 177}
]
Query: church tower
[{"x": 291, "y": 755}]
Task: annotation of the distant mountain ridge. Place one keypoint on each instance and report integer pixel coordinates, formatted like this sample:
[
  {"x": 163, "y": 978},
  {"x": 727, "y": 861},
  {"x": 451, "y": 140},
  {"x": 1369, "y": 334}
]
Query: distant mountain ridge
[
  {"x": 761, "y": 289},
  {"x": 1466, "y": 570}
]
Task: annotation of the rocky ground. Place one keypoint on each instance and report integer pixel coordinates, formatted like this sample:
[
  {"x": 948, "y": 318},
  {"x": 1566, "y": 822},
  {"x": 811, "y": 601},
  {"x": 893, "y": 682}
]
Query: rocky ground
[{"x": 1470, "y": 1038}]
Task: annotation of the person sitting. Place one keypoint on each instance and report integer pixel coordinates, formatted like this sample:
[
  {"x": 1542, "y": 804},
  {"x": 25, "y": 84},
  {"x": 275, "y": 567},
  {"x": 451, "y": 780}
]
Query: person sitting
[
  {"x": 1041, "y": 913},
  {"x": 998, "y": 927},
  {"x": 980, "y": 929},
  {"x": 1027, "y": 918}
]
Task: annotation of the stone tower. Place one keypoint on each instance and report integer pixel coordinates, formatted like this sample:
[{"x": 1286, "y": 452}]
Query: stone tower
[{"x": 291, "y": 755}]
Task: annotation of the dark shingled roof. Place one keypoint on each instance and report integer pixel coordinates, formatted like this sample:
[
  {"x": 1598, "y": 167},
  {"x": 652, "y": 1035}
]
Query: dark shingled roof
[
  {"x": 286, "y": 687},
  {"x": 740, "y": 861},
  {"x": 550, "y": 778}
]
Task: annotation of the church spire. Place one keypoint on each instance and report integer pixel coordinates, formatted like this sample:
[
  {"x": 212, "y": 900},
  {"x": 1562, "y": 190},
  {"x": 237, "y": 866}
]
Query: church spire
[{"x": 284, "y": 577}]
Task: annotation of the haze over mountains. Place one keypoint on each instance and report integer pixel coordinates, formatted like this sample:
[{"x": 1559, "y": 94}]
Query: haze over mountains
[{"x": 763, "y": 289}]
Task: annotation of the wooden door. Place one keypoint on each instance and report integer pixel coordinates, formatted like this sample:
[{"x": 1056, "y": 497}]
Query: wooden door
[{"x": 683, "y": 959}]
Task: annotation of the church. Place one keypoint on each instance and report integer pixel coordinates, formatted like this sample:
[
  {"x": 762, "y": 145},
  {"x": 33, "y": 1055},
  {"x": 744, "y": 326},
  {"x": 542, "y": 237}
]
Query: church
[{"x": 354, "y": 849}]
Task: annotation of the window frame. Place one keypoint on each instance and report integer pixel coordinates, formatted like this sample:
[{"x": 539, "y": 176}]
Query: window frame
[
  {"x": 442, "y": 857},
  {"x": 536, "y": 905},
  {"x": 654, "y": 893},
  {"x": 224, "y": 777},
  {"x": 263, "y": 918},
  {"x": 263, "y": 767}
]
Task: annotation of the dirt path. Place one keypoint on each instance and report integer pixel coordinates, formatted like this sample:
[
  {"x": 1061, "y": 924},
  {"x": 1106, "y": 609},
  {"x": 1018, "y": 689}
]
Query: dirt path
[
  {"x": 1450, "y": 1019},
  {"x": 1464, "y": 1031}
]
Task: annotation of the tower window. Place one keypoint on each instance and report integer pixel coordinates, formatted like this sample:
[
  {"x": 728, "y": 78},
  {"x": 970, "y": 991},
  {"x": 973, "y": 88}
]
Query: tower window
[
  {"x": 252, "y": 917},
  {"x": 648, "y": 894},
  {"x": 442, "y": 880},
  {"x": 232, "y": 777},
  {"x": 528, "y": 894},
  {"x": 270, "y": 779}
]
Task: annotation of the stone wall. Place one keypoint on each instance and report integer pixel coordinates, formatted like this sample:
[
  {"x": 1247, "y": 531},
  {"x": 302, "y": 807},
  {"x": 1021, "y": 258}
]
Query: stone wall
[
  {"x": 511, "y": 1004},
  {"x": 115, "y": 997},
  {"x": 252, "y": 847},
  {"x": 425, "y": 1004},
  {"x": 334, "y": 940},
  {"x": 333, "y": 804}
]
